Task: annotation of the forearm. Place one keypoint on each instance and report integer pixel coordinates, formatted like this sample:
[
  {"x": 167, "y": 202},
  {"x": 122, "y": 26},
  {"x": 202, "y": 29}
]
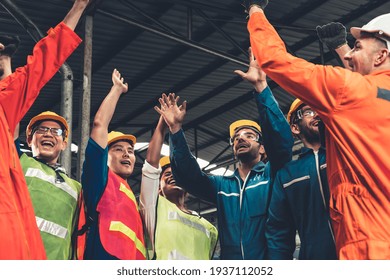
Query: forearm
[
  {"x": 74, "y": 15},
  {"x": 103, "y": 117},
  {"x": 186, "y": 169},
  {"x": 21, "y": 88},
  {"x": 155, "y": 144},
  {"x": 277, "y": 137},
  {"x": 316, "y": 85},
  {"x": 148, "y": 198}
]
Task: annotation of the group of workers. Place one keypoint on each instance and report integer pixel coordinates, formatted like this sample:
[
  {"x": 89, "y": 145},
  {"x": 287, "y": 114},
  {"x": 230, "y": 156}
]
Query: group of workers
[{"x": 335, "y": 196}]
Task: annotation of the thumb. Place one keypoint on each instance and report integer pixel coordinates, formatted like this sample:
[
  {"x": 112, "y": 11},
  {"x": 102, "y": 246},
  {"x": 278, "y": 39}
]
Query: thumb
[{"x": 240, "y": 73}]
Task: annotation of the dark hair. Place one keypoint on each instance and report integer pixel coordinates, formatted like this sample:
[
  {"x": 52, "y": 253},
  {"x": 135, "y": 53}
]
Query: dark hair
[
  {"x": 11, "y": 44},
  {"x": 165, "y": 167}
]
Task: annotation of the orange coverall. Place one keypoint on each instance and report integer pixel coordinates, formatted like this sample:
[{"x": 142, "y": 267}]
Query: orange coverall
[
  {"x": 19, "y": 234},
  {"x": 356, "y": 113}
]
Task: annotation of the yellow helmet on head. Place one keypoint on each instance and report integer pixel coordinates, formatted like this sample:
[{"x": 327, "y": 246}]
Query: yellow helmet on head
[
  {"x": 244, "y": 124},
  {"x": 294, "y": 106},
  {"x": 114, "y": 136},
  {"x": 47, "y": 116},
  {"x": 164, "y": 161}
]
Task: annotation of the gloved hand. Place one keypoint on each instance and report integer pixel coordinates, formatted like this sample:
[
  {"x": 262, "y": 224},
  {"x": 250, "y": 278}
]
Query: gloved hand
[
  {"x": 248, "y": 3},
  {"x": 333, "y": 34}
]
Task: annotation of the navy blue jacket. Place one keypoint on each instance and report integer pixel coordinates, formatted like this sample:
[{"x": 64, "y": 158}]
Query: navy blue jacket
[
  {"x": 300, "y": 202},
  {"x": 242, "y": 206}
]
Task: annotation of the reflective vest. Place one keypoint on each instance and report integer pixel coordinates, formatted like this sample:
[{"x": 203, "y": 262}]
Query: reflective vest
[
  {"x": 120, "y": 225},
  {"x": 55, "y": 199},
  {"x": 182, "y": 236}
]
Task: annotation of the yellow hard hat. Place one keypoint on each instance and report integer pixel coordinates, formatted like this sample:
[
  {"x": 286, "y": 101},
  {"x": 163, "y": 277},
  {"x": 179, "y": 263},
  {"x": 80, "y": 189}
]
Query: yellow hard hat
[
  {"x": 294, "y": 106},
  {"x": 243, "y": 123},
  {"x": 46, "y": 116},
  {"x": 114, "y": 136},
  {"x": 164, "y": 161}
]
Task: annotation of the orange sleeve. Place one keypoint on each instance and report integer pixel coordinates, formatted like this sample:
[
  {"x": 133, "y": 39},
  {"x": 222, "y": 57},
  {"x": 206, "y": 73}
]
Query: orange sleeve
[
  {"x": 324, "y": 88},
  {"x": 19, "y": 90}
]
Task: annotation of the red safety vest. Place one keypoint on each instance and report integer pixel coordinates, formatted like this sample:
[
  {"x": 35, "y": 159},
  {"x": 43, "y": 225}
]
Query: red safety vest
[{"x": 120, "y": 224}]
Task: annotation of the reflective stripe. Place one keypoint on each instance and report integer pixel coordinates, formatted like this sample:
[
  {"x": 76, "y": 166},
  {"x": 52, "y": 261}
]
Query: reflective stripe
[
  {"x": 174, "y": 255},
  {"x": 34, "y": 172},
  {"x": 128, "y": 193},
  {"x": 256, "y": 185},
  {"x": 175, "y": 216},
  {"x": 228, "y": 194},
  {"x": 51, "y": 228},
  {"x": 323, "y": 166},
  {"x": 296, "y": 180},
  {"x": 121, "y": 227}
]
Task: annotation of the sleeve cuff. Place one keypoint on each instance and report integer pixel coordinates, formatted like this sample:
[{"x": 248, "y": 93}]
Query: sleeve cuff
[{"x": 150, "y": 171}]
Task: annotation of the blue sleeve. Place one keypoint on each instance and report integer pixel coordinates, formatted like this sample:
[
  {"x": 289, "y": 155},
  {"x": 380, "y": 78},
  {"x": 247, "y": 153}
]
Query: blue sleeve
[
  {"x": 17, "y": 146},
  {"x": 186, "y": 170},
  {"x": 95, "y": 175},
  {"x": 277, "y": 136},
  {"x": 280, "y": 229}
]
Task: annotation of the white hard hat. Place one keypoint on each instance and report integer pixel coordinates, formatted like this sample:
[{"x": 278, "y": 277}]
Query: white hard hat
[{"x": 380, "y": 26}]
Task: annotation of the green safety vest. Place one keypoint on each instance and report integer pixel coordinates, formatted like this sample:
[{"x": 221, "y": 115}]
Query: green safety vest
[
  {"x": 181, "y": 236},
  {"x": 55, "y": 206}
]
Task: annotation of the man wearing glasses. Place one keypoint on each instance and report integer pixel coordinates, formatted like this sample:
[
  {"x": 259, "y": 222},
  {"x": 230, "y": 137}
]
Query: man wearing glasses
[
  {"x": 300, "y": 196},
  {"x": 55, "y": 196},
  {"x": 242, "y": 199}
]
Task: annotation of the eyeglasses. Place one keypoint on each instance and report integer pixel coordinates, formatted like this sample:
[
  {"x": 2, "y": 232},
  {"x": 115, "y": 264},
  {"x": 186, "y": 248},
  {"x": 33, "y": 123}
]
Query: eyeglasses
[
  {"x": 305, "y": 113},
  {"x": 53, "y": 130},
  {"x": 245, "y": 135}
]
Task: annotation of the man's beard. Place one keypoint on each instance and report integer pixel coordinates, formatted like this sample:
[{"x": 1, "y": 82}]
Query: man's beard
[{"x": 312, "y": 136}]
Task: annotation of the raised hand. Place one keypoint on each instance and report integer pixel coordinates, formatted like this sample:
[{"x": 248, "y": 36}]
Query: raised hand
[
  {"x": 254, "y": 74},
  {"x": 118, "y": 82},
  {"x": 171, "y": 112},
  {"x": 333, "y": 34},
  {"x": 249, "y": 3}
]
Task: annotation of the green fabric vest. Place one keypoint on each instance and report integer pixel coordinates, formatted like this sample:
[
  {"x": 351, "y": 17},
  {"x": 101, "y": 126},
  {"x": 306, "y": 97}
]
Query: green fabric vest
[
  {"x": 182, "y": 236},
  {"x": 55, "y": 206}
]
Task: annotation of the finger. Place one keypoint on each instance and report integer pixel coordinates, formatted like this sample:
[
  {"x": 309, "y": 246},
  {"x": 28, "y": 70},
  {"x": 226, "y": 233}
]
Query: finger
[
  {"x": 251, "y": 56},
  {"x": 183, "y": 106},
  {"x": 162, "y": 102},
  {"x": 177, "y": 99},
  {"x": 158, "y": 110},
  {"x": 240, "y": 73}
]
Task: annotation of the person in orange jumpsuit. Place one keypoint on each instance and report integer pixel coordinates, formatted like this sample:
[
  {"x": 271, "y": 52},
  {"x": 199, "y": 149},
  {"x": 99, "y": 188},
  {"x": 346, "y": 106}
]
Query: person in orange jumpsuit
[
  {"x": 354, "y": 106},
  {"x": 19, "y": 235}
]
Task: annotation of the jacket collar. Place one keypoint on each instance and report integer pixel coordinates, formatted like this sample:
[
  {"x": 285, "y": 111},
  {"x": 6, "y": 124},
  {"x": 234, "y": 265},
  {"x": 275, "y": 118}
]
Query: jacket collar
[
  {"x": 259, "y": 167},
  {"x": 305, "y": 151}
]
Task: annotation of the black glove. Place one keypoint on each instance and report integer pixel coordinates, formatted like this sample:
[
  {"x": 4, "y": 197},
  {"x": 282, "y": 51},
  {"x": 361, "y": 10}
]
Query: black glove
[
  {"x": 333, "y": 34},
  {"x": 11, "y": 44},
  {"x": 248, "y": 3}
]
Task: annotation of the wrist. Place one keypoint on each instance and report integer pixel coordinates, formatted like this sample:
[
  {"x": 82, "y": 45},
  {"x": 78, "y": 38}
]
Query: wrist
[
  {"x": 175, "y": 128},
  {"x": 260, "y": 85}
]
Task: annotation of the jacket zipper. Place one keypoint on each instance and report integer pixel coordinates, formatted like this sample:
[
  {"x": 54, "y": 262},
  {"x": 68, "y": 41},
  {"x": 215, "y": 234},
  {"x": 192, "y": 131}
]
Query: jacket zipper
[
  {"x": 321, "y": 189},
  {"x": 241, "y": 195}
]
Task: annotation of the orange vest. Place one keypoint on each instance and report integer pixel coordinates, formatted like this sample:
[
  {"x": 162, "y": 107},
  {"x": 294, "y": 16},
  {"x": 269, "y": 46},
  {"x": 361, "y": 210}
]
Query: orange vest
[{"x": 120, "y": 225}]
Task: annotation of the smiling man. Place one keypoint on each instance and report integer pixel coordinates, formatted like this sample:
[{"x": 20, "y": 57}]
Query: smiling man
[
  {"x": 354, "y": 106},
  {"x": 115, "y": 229},
  {"x": 55, "y": 196},
  {"x": 300, "y": 196}
]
